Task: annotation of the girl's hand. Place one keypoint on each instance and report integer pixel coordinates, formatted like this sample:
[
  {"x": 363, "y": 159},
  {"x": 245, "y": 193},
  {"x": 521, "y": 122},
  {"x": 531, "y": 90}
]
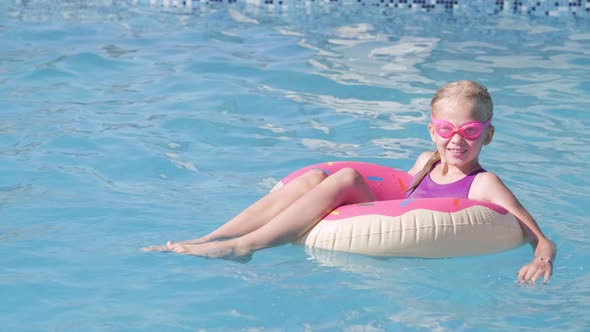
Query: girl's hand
[{"x": 537, "y": 268}]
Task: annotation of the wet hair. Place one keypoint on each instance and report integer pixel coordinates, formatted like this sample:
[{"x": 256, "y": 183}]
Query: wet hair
[{"x": 464, "y": 89}]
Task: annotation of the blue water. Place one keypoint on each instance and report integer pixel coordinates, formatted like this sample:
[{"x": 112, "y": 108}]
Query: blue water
[{"x": 124, "y": 125}]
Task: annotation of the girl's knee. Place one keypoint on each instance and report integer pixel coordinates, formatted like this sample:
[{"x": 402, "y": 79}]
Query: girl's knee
[
  {"x": 345, "y": 178},
  {"x": 349, "y": 177},
  {"x": 314, "y": 177},
  {"x": 353, "y": 186}
]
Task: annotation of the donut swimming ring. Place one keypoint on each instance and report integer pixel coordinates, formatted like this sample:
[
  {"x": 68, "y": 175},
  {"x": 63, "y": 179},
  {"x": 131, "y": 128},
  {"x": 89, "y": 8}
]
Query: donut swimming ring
[{"x": 395, "y": 226}]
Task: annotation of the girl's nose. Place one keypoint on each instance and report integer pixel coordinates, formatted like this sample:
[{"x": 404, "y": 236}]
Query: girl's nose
[{"x": 456, "y": 138}]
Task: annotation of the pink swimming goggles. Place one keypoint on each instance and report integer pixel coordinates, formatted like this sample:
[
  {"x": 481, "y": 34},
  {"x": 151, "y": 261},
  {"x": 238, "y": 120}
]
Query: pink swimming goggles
[{"x": 471, "y": 130}]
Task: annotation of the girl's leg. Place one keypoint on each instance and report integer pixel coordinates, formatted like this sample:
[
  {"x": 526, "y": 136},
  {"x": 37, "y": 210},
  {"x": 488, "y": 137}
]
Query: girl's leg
[
  {"x": 261, "y": 212},
  {"x": 265, "y": 209},
  {"x": 344, "y": 187}
]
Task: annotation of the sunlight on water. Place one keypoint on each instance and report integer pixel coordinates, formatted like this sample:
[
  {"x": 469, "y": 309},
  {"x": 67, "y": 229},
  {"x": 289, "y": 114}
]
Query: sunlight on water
[{"x": 127, "y": 124}]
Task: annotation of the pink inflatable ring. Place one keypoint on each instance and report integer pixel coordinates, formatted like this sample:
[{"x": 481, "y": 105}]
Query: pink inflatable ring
[{"x": 396, "y": 226}]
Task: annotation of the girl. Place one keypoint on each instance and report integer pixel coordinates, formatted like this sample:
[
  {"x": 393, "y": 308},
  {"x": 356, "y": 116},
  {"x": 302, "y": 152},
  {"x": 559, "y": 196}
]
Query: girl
[{"x": 461, "y": 124}]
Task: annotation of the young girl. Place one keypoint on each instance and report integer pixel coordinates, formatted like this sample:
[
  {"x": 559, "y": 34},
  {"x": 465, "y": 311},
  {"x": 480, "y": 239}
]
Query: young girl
[{"x": 461, "y": 124}]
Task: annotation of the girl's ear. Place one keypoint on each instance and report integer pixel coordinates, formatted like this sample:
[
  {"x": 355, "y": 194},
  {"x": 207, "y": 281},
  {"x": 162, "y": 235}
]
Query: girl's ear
[
  {"x": 489, "y": 135},
  {"x": 432, "y": 132}
]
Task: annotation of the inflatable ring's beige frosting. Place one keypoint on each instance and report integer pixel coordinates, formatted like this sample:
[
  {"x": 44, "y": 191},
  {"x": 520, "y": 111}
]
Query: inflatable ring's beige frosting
[{"x": 395, "y": 226}]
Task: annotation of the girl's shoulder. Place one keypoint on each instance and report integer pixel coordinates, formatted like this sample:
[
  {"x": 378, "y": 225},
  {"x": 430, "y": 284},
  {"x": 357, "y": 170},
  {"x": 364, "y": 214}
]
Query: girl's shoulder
[
  {"x": 486, "y": 185},
  {"x": 420, "y": 162},
  {"x": 487, "y": 178},
  {"x": 489, "y": 187}
]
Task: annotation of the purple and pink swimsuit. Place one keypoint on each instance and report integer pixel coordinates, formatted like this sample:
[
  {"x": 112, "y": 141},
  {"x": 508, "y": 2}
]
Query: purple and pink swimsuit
[{"x": 430, "y": 189}]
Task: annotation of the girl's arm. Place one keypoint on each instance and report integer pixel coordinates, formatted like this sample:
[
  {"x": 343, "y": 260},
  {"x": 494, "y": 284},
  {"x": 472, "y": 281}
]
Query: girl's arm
[{"x": 488, "y": 187}]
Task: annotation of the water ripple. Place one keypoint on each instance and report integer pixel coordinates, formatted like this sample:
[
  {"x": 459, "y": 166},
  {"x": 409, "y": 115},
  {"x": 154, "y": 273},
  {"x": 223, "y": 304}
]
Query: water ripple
[{"x": 124, "y": 126}]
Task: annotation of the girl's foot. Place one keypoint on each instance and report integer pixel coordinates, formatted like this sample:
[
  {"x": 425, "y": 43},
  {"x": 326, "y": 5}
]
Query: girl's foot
[
  {"x": 155, "y": 248},
  {"x": 221, "y": 249},
  {"x": 165, "y": 247},
  {"x": 203, "y": 239}
]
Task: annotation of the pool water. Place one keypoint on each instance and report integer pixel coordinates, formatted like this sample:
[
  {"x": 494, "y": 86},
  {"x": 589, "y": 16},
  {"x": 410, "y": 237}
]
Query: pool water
[{"x": 124, "y": 125}]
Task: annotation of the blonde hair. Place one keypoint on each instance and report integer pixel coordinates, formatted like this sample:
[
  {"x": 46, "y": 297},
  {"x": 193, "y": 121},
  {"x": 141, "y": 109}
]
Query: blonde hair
[{"x": 465, "y": 89}]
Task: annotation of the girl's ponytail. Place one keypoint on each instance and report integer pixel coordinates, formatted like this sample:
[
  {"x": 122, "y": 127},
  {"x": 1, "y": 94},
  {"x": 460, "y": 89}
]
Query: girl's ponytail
[{"x": 435, "y": 158}]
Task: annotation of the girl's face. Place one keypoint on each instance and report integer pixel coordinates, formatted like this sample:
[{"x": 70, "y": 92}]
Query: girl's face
[{"x": 457, "y": 150}]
